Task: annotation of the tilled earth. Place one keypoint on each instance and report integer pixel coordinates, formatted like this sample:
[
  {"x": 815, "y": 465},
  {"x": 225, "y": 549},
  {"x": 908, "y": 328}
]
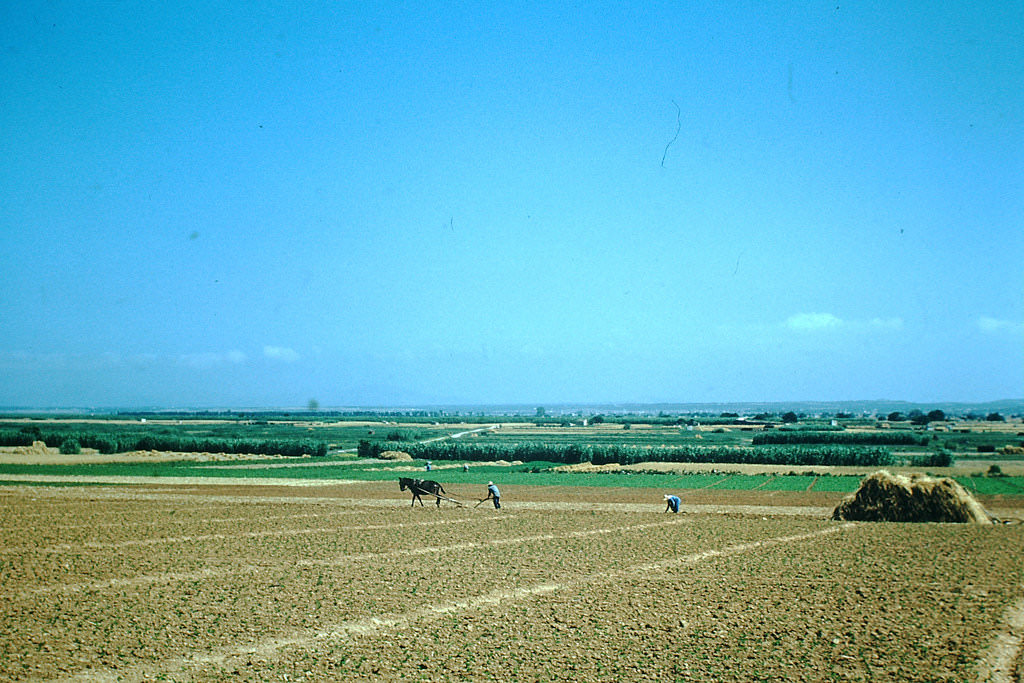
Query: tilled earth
[{"x": 204, "y": 583}]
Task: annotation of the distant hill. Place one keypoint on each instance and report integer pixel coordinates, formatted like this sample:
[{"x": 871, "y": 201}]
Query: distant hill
[{"x": 1006, "y": 407}]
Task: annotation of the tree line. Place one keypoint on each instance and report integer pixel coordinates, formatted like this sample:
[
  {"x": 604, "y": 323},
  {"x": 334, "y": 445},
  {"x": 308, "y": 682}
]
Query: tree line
[
  {"x": 893, "y": 438},
  {"x": 570, "y": 454},
  {"x": 122, "y": 443}
]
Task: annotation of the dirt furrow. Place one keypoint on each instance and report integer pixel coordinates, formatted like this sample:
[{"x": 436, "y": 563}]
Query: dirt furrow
[
  {"x": 167, "y": 577},
  {"x": 68, "y": 547},
  {"x": 272, "y": 647},
  {"x": 204, "y": 520}
]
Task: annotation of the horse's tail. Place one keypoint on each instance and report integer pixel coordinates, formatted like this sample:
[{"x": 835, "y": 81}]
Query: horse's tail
[{"x": 441, "y": 488}]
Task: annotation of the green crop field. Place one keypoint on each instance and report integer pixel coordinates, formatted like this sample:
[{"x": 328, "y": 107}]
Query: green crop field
[
  {"x": 791, "y": 483},
  {"x": 326, "y": 470},
  {"x": 994, "y": 486},
  {"x": 841, "y": 484},
  {"x": 490, "y": 445}
]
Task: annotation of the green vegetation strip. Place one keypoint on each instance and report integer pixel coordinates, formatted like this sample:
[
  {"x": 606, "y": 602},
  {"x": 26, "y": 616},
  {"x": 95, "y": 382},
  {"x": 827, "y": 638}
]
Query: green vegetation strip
[
  {"x": 796, "y": 482},
  {"x": 827, "y": 455},
  {"x": 994, "y": 486},
  {"x": 803, "y": 437},
  {"x": 528, "y": 474}
]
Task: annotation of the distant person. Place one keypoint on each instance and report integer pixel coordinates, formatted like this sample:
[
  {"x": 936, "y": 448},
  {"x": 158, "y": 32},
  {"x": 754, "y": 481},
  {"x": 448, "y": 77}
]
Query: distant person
[
  {"x": 465, "y": 467},
  {"x": 428, "y": 466},
  {"x": 671, "y": 503},
  {"x": 494, "y": 493}
]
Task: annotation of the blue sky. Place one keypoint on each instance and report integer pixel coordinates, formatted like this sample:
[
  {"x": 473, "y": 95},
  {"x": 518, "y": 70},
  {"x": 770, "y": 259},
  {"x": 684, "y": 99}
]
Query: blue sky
[{"x": 259, "y": 204}]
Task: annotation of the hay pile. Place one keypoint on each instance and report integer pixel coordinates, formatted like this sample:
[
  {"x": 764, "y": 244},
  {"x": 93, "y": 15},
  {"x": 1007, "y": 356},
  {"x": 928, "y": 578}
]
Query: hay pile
[
  {"x": 885, "y": 497},
  {"x": 37, "y": 448},
  {"x": 589, "y": 467},
  {"x": 394, "y": 455}
]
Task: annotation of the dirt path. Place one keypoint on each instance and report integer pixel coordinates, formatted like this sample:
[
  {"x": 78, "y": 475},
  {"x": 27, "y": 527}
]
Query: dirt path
[
  {"x": 172, "y": 481},
  {"x": 1001, "y": 662},
  {"x": 168, "y": 540}
]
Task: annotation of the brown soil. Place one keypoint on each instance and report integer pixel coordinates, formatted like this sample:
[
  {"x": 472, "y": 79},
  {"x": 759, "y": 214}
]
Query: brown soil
[
  {"x": 40, "y": 454},
  {"x": 347, "y": 582}
]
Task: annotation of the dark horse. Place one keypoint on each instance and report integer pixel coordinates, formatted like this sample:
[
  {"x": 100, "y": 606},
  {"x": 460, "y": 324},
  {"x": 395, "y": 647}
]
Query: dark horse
[{"x": 418, "y": 486}]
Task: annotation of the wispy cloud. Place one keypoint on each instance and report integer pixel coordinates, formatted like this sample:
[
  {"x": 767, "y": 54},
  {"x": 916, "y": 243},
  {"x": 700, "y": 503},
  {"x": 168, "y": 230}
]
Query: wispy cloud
[
  {"x": 812, "y": 321},
  {"x": 997, "y": 326},
  {"x": 809, "y": 322},
  {"x": 281, "y": 353}
]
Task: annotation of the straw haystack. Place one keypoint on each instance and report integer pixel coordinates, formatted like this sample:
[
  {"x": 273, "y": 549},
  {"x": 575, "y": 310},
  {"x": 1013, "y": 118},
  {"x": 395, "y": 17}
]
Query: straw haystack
[
  {"x": 37, "y": 448},
  {"x": 885, "y": 497},
  {"x": 589, "y": 467},
  {"x": 394, "y": 455}
]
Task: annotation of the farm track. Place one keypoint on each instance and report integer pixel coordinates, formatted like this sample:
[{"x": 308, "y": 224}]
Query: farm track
[
  {"x": 1002, "y": 662},
  {"x": 213, "y": 520},
  {"x": 204, "y": 583},
  {"x": 381, "y": 494},
  {"x": 164, "y": 540},
  {"x": 115, "y": 480}
]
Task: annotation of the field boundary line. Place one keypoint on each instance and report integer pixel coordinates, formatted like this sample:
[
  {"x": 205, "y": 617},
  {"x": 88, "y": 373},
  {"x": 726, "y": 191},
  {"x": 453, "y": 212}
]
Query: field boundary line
[
  {"x": 696, "y": 558},
  {"x": 337, "y": 560},
  {"x": 270, "y": 647},
  {"x": 64, "y": 547},
  {"x": 113, "y": 479},
  {"x": 999, "y": 660},
  {"x": 471, "y": 545},
  {"x": 132, "y": 493},
  {"x": 137, "y": 494},
  {"x": 205, "y": 520},
  {"x": 141, "y": 580}
]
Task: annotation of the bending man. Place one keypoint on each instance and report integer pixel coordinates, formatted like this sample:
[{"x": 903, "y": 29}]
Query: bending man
[{"x": 494, "y": 493}]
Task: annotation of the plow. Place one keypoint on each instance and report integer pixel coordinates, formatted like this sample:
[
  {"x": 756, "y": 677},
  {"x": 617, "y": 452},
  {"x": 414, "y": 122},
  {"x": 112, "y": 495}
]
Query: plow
[
  {"x": 423, "y": 487},
  {"x": 452, "y": 500},
  {"x": 439, "y": 496}
]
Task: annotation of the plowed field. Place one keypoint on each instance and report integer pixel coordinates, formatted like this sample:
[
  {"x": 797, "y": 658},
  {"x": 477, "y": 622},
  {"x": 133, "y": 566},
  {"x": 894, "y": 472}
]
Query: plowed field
[{"x": 350, "y": 583}]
